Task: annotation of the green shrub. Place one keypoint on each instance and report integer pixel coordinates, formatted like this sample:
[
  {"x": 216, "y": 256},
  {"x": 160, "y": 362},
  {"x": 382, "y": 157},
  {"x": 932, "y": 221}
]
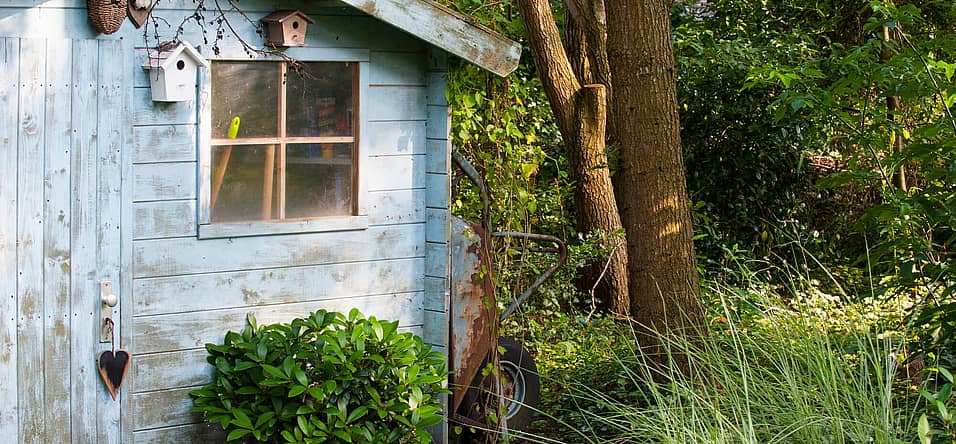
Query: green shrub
[
  {"x": 938, "y": 422},
  {"x": 324, "y": 378}
]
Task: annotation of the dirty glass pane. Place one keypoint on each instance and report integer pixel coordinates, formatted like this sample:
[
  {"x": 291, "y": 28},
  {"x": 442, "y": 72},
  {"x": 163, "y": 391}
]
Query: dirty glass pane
[
  {"x": 318, "y": 180},
  {"x": 239, "y": 195},
  {"x": 249, "y": 90},
  {"x": 319, "y": 98}
]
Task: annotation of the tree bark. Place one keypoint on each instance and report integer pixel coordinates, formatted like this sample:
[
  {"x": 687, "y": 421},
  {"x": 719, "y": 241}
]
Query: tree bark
[
  {"x": 576, "y": 46},
  {"x": 606, "y": 278},
  {"x": 554, "y": 67},
  {"x": 582, "y": 125},
  {"x": 587, "y": 20},
  {"x": 652, "y": 191}
]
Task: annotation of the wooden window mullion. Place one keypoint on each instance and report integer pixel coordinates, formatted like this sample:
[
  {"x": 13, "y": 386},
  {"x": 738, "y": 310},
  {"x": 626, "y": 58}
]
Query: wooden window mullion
[
  {"x": 355, "y": 127},
  {"x": 283, "y": 72}
]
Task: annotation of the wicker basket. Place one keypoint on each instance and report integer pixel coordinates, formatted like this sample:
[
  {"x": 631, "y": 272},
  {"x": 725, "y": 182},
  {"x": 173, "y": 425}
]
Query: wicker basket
[{"x": 106, "y": 15}]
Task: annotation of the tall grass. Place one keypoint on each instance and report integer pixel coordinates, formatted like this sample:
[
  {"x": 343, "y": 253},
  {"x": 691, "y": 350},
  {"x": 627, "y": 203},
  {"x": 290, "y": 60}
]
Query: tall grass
[{"x": 778, "y": 376}]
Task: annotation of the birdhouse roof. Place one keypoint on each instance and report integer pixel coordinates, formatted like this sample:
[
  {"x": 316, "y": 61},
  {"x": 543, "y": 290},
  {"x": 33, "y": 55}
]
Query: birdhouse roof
[
  {"x": 448, "y": 30},
  {"x": 282, "y": 16},
  {"x": 165, "y": 57}
]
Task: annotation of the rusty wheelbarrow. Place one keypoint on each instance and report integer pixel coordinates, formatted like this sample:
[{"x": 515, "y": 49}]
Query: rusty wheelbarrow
[{"x": 495, "y": 384}]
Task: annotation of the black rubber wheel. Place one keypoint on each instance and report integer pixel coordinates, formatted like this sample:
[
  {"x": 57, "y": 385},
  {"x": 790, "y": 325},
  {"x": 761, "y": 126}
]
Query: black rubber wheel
[
  {"x": 520, "y": 389},
  {"x": 520, "y": 384}
]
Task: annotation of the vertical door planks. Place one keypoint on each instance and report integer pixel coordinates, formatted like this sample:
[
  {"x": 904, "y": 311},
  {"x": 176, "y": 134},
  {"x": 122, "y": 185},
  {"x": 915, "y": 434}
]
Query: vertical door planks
[
  {"x": 30, "y": 241},
  {"x": 84, "y": 327},
  {"x": 9, "y": 100},
  {"x": 112, "y": 125},
  {"x": 56, "y": 242}
]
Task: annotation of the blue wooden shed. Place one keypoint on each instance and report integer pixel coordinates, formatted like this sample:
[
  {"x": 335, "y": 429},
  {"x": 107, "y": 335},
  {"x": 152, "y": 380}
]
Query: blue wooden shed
[{"x": 332, "y": 192}]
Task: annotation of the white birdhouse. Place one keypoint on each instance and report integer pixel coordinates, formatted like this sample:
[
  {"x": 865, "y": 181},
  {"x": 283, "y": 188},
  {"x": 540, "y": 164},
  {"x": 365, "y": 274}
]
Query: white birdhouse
[
  {"x": 287, "y": 28},
  {"x": 172, "y": 72}
]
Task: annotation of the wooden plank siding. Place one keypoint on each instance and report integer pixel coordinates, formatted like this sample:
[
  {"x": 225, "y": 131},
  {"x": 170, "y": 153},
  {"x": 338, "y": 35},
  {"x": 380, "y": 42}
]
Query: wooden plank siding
[
  {"x": 170, "y": 218},
  {"x": 9, "y": 100},
  {"x": 164, "y": 181},
  {"x": 56, "y": 241},
  {"x": 189, "y": 433},
  {"x": 276, "y": 286},
  {"x": 125, "y": 279},
  {"x": 438, "y": 189},
  {"x": 84, "y": 328},
  {"x": 30, "y": 331},
  {"x": 117, "y": 196},
  {"x": 64, "y": 201},
  {"x": 396, "y": 138},
  {"x": 392, "y": 103},
  {"x": 164, "y": 143},
  {"x": 113, "y": 136},
  {"x": 437, "y": 225}
]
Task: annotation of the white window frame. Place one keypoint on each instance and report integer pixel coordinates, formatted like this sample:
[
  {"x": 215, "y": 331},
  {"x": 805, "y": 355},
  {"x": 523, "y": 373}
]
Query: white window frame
[{"x": 358, "y": 221}]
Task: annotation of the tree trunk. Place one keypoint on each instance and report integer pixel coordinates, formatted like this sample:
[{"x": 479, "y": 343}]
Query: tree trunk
[
  {"x": 554, "y": 67},
  {"x": 576, "y": 46},
  {"x": 652, "y": 190},
  {"x": 605, "y": 279},
  {"x": 582, "y": 125}
]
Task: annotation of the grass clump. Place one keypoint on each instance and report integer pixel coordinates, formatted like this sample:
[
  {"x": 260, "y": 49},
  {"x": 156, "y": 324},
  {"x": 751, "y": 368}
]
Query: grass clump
[{"x": 768, "y": 372}]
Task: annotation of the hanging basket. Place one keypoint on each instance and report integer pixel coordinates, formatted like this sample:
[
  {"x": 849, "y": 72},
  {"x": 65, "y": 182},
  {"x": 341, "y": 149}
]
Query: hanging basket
[{"x": 106, "y": 15}]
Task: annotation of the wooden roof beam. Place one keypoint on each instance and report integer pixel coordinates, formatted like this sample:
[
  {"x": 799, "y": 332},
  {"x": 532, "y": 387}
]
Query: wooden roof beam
[{"x": 448, "y": 30}]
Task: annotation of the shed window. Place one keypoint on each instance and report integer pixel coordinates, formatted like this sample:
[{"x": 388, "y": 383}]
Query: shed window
[{"x": 293, "y": 154}]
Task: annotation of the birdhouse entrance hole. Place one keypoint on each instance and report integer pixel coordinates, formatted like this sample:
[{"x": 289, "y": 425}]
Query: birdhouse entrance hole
[{"x": 180, "y": 65}]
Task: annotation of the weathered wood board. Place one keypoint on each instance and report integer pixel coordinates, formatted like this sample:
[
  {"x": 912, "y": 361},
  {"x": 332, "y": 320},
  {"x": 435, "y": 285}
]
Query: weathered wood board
[
  {"x": 253, "y": 288},
  {"x": 30, "y": 334},
  {"x": 189, "y": 330},
  {"x": 170, "y": 257},
  {"x": 9, "y": 359},
  {"x": 113, "y": 135},
  {"x": 84, "y": 242},
  {"x": 56, "y": 240}
]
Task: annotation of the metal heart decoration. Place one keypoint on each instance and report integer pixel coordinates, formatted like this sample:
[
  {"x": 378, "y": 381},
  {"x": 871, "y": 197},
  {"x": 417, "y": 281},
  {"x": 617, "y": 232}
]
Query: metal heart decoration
[{"x": 113, "y": 366}]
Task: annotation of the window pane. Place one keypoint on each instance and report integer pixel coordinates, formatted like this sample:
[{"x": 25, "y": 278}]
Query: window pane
[
  {"x": 247, "y": 90},
  {"x": 318, "y": 180},
  {"x": 319, "y": 100},
  {"x": 244, "y": 190}
]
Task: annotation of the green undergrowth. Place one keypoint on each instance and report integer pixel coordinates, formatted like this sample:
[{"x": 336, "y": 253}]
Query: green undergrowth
[{"x": 778, "y": 365}]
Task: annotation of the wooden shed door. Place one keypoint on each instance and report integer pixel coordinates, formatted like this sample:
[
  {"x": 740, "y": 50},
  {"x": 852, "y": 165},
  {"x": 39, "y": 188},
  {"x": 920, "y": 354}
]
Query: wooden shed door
[{"x": 63, "y": 120}]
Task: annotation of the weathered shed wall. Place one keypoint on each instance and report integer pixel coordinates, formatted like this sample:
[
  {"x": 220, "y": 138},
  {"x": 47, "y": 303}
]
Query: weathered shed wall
[
  {"x": 178, "y": 292},
  {"x": 60, "y": 168}
]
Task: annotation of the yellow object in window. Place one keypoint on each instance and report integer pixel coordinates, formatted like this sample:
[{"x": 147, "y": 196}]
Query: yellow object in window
[{"x": 233, "y": 128}]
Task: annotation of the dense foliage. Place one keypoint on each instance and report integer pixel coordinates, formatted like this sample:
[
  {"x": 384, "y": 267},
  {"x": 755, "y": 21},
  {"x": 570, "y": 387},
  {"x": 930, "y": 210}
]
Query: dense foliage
[
  {"x": 810, "y": 370},
  {"x": 323, "y": 378},
  {"x": 845, "y": 90},
  {"x": 800, "y": 121},
  {"x": 744, "y": 166}
]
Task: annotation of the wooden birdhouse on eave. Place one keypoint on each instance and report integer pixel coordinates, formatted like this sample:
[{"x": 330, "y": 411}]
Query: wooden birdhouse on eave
[
  {"x": 172, "y": 72},
  {"x": 287, "y": 28}
]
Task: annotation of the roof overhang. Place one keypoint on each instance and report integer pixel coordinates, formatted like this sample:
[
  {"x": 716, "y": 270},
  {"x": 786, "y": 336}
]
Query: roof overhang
[{"x": 448, "y": 30}]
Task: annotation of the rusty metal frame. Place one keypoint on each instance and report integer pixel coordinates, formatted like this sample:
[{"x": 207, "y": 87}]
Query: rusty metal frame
[
  {"x": 474, "y": 318},
  {"x": 560, "y": 248}
]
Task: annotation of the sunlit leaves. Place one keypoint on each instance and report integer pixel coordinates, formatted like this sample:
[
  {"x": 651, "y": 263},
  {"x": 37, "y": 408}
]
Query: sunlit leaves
[{"x": 326, "y": 377}]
